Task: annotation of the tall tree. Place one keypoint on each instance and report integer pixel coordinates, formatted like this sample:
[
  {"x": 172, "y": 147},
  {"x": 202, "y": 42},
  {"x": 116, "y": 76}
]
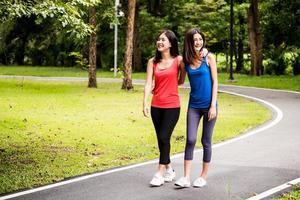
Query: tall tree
[
  {"x": 255, "y": 40},
  {"x": 127, "y": 80},
  {"x": 92, "y": 50},
  {"x": 240, "y": 46},
  {"x": 137, "y": 52},
  {"x": 241, "y": 33}
]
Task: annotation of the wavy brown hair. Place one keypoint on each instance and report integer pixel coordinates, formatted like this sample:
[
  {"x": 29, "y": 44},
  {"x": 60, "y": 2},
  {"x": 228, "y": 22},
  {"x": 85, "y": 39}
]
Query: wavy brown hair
[{"x": 189, "y": 53}]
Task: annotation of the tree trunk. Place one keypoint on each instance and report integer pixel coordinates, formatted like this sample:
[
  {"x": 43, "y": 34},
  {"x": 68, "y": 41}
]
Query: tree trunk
[
  {"x": 20, "y": 51},
  {"x": 255, "y": 39},
  {"x": 240, "y": 59},
  {"x": 3, "y": 59},
  {"x": 137, "y": 52},
  {"x": 92, "y": 50},
  {"x": 127, "y": 80},
  {"x": 227, "y": 59}
]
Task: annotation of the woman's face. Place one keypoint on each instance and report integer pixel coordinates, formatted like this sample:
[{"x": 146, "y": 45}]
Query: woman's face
[
  {"x": 163, "y": 43},
  {"x": 198, "y": 42}
]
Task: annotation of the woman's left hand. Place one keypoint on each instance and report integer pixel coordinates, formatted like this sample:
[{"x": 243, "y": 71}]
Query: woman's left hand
[{"x": 212, "y": 113}]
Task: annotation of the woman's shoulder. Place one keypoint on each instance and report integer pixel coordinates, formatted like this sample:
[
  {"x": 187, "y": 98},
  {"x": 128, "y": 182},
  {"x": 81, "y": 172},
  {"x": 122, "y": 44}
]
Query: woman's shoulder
[
  {"x": 180, "y": 61},
  {"x": 210, "y": 56},
  {"x": 179, "y": 57},
  {"x": 211, "y": 60},
  {"x": 151, "y": 61}
]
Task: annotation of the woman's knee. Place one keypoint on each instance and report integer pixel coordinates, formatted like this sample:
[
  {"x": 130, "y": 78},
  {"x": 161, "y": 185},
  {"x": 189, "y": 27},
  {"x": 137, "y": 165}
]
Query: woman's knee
[
  {"x": 164, "y": 140},
  {"x": 206, "y": 144},
  {"x": 191, "y": 142}
]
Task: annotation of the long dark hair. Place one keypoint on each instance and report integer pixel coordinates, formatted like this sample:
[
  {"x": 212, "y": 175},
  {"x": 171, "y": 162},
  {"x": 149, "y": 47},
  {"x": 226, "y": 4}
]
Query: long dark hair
[
  {"x": 174, "y": 45},
  {"x": 189, "y": 53}
]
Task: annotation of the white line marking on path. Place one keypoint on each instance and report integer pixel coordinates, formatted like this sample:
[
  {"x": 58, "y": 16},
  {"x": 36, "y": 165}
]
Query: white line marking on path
[
  {"x": 268, "y": 89},
  {"x": 255, "y": 131},
  {"x": 275, "y": 189}
]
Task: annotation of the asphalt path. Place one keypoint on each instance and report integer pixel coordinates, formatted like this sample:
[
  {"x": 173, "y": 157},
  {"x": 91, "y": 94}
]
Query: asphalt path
[{"x": 255, "y": 162}]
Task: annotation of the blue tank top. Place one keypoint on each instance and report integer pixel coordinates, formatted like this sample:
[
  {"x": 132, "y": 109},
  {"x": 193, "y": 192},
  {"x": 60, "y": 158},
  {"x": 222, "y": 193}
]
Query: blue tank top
[{"x": 201, "y": 85}]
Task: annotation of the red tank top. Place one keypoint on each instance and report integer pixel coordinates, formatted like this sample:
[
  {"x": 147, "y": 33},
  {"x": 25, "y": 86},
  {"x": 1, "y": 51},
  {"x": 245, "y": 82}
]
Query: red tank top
[{"x": 165, "y": 93}]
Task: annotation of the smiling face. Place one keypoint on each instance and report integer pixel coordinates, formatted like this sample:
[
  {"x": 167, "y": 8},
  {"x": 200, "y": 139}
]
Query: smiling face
[
  {"x": 198, "y": 42},
  {"x": 194, "y": 42},
  {"x": 163, "y": 43}
]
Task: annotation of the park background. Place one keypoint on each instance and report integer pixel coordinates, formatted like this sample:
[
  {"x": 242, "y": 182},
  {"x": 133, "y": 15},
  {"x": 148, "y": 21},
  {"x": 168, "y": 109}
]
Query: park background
[{"x": 40, "y": 140}]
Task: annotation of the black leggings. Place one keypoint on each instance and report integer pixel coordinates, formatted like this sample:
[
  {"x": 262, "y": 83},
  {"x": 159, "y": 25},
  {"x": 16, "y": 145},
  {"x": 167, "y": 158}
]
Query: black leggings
[{"x": 164, "y": 120}]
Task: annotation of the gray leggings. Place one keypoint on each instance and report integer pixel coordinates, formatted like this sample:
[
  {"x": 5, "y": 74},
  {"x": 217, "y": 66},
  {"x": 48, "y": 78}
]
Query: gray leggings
[{"x": 193, "y": 118}]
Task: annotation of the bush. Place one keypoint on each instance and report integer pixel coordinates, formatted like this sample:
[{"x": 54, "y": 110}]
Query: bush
[
  {"x": 276, "y": 63},
  {"x": 296, "y": 65},
  {"x": 81, "y": 62}
]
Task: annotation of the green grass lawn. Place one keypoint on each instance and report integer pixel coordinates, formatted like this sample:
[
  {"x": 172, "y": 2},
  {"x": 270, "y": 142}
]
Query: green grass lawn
[
  {"x": 283, "y": 82},
  {"x": 286, "y": 82},
  {"x": 52, "y": 131},
  {"x": 294, "y": 194},
  {"x": 43, "y": 71}
]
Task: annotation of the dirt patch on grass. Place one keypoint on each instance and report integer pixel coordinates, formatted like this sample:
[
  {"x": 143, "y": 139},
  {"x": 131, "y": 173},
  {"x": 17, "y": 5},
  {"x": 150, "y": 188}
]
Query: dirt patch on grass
[{"x": 58, "y": 149}]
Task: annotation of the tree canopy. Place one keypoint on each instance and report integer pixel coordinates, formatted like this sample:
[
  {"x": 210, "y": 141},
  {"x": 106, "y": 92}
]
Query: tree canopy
[{"x": 35, "y": 32}]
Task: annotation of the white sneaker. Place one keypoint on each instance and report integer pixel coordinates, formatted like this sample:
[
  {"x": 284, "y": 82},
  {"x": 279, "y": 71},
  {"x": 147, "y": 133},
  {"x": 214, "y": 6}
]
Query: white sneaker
[
  {"x": 199, "y": 182},
  {"x": 157, "y": 180},
  {"x": 169, "y": 175},
  {"x": 183, "y": 182}
]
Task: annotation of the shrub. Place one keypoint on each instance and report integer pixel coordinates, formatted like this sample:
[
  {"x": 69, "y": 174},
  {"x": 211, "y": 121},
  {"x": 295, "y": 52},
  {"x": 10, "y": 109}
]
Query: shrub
[
  {"x": 296, "y": 65},
  {"x": 276, "y": 63}
]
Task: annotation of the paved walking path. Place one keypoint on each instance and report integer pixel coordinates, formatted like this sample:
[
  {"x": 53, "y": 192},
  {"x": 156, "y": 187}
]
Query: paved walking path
[{"x": 259, "y": 160}]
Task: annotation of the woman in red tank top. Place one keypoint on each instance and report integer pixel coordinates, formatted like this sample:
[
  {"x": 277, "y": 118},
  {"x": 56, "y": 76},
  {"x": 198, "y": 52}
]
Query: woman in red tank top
[{"x": 165, "y": 71}]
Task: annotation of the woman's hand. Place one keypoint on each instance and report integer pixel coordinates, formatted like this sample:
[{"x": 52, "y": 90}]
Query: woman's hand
[
  {"x": 212, "y": 113},
  {"x": 146, "y": 110}
]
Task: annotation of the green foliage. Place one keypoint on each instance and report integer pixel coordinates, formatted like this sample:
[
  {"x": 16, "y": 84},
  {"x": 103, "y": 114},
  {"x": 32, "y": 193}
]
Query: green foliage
[
  {"x": 281, "y": 34},
  {"x": 69, "y": 15},
  {"x": 292, "y": 57},
  {"x": 10, "y": 9},
  {"x": 282, "y": 60},
  {"x": 275, "y": 63},
  {"x": 5, "y": 28},
  {"x": 65, "y": 13},
  {"x": 81, "y": 62},
  {"x": 296, "y": 64},
  {"x": 58, "y": 27},
  {"x": 282, "y": 24},
  {"x": 149, "y": 31},
  {"x": 210, "y": 16}
]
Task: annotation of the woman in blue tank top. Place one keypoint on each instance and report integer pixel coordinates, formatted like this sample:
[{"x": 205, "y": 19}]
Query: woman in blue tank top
[{"x": 202, "y": 72}]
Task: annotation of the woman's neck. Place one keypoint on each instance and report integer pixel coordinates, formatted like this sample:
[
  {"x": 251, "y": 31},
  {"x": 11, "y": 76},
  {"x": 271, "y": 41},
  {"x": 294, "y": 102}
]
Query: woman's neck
[
  {"x": 166, "y": 55},
  {"x": 196, "y": 61}
]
